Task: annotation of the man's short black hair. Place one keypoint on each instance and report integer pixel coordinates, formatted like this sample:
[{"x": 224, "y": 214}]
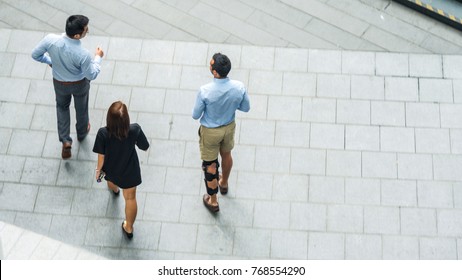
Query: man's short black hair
[
  {"x": 76, "y": 25},
  {"x": 221, "y": 64}
]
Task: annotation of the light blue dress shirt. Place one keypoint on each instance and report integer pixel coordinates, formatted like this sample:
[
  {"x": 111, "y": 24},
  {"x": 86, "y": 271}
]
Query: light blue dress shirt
[
  {"x": 217, "y": 102},
  {"x": 70, "y": 61}
]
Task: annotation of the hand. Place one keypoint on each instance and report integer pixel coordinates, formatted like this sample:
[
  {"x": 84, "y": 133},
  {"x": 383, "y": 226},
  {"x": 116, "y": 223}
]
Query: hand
[
  {"x": 98, "y": 172},
  {"x": 99, "y": 52}
]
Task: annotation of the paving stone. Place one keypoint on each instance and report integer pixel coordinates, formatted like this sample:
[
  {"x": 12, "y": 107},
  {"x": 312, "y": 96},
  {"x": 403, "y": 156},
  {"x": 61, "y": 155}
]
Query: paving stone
[
  {"x": 397, "y": 139},
  {"x": 343, "y": 163},
  {"x": 11, "y": 168},
  {"x": 25, "y": 245},
  {"x": 345, "y": 218},
  {"x": 254, "y": 57},
  {"x": 363, "y": 247},
  {"x": 10, "y": 234},
  {"x": 215, "y": 240},
  {"x": 54, "y": 200},
  {"x": 326, "y": 190},
  {"x": 319, "y": 110},
  {"x": 107, "y": 94},
  {"x": 187, "y": 53},
  {"x": 184, "y": 184},
  {"x": 308, "y": 216},
  {"x": 422, "y": 115},
  {"x": 265, "y": 82},
  {"x": 155, "y": 125},
  {"x": 436, "y": 90},
  {"x": 18, "y": 197},
  {"x": 388, "y": 113},
  {"x": 451, "y": 67},
  {"x": 289, "y": 245},
  {"x": 191, "y": 212},
  {"x": 399, "y": 193},
  {"x": 285, "y": 132},
  {"x": 381, "y": 220},
  {"x": 299, "y": 84},
  {"x": 245, "y": 243},
  {"x": 362, "y": 63},
  {"x": 169, "y": 153},
  {"x": 179, "y": 101},
  {"x": 326, "y": 246},
  {"x": 69, "y": 229},
  {"x": 450, "y": 114},
  {"x": 41, "y": 92},
  {"x": 237, "y": 212},
  {"x": 362, "y": 138},
  {"x": 324, "y": 61},
  {"x": 353, "y": 112},
  {"x": 438, "y": 249},
  {"x": 193, "y": 77},
  {"x": 400, "y": 248},
  {"x": 362, "y": 191},
  {"x": 130, "y": 73},
  {"x": 450, "y": 222},
  {"x": 75, "y": 173},
  {"x": 456, "y": 141},
  {"x": 435, "y": 194},
  {"x": 46, "y": 249},
  {"x": 446, "y": 167},
  {"x": 274, "y": 215},
  {"x": 433, "y": 141},
  {"x": 147, "y": 100},
  {"x": 23, "y": 41},
  {"x": 367, "y": 87},
  {"x": 40, "y": 171},
  {"x": 5, "y": 35},
  {"x": 44, "y": 119},
  {"x": 425, "y": 65},
  {"x": 157, "y": 51},
  {"x": 277, "y": 108},
  {"x": 13, "y": 120},
  {"x": 90, "y": 202},
  {"x": 243, "y": 157},
  {"x": 379, "y": 165},
  {"x": 328, "y": 136},
  {"x": 255, "y": 132},
  {"x": 178, "y": 237},
  {"x": 457, "y": 87},
  {"x": 335, "y": 86},
  {"x": 264, "y": 159},
  {"x": 163, "y": 76},
  {"x": 415, "y": 221},
  {"x": 14, "y": 90},
  {"x": 401, "y": 89},
  {"x": 412, "y": 166},
  {"x": 7, "y": 64},
  {"x": 291, "y": 60},
  {"x": 99, "y": 229},
  {"x": 308, "y": 161},
  {"x": 457, "y": 192},
  {"x": 392, "y": 64},
  {"x": 5, "y": 136},
  {"x": 162, "y": 207},
  {"x": 233, "y": 52},
  {"x": 118, "y": 47},
  {"x": 290, "y": 188},
  {"x": 24, "y": 67},
  {"x": 39, "y": 223},
  {"x": 27, "y": 143}
]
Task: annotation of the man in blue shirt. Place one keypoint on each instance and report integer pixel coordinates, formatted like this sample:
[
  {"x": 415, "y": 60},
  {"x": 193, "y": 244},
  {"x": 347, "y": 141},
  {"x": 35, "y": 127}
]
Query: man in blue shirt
[
  {"x": 73, "y": 67},
  {"x": 216, "y": 106}
]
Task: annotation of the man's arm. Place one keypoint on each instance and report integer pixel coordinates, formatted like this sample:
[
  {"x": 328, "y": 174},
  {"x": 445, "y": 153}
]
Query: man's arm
[
  {"x": 39, "y": 53},
  {"x": 199, "y": 107},
  {"x": 245, "y": 103},
  {"x": 92, "y": 67}
]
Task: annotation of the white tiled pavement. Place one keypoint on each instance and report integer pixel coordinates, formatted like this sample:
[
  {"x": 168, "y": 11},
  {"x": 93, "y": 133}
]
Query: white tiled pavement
[{"x": 344, "y": 154}]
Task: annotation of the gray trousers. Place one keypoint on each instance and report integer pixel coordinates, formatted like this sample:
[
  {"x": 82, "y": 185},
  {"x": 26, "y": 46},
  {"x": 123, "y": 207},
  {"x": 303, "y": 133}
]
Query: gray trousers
[{"x": 64, "y": 93}]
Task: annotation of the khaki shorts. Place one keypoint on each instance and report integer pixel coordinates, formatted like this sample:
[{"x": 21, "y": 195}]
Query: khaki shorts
[{"x": 214, "y": 140}]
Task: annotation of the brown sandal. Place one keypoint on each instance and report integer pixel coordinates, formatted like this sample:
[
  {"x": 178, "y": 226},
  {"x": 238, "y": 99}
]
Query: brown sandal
[{"x": 212, "y": 208}]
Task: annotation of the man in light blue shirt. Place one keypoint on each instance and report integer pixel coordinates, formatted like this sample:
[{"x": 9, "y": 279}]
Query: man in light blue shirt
[
  {"x": 216, "y": 106},
  {"x": 72, "y": 67}
]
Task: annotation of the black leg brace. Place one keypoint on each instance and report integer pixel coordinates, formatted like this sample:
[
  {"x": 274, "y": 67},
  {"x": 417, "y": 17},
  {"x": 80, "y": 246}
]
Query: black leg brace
[{"x": 209, "y": 177}]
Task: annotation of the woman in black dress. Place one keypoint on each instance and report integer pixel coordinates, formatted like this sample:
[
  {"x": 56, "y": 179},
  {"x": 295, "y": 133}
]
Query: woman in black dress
[{"x": 117, "y": 158}]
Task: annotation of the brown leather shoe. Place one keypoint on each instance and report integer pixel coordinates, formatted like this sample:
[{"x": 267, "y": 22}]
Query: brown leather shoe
[
  {"x": 223, "y": 189},
  {"x": 66, "y": 152},
  {"x": 212, "y": 208}
]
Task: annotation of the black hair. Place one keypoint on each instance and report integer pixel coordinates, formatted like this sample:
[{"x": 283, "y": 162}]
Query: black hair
[
  {"x": 221, "y": 64},
  {"x": 76, "y": 25}
]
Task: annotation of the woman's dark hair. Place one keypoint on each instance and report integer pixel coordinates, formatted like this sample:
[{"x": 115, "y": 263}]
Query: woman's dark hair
[
  {"x": 221, "y": 64},
  {"x": 118, "y": 120},
  {"x": 76, "y": 25}
]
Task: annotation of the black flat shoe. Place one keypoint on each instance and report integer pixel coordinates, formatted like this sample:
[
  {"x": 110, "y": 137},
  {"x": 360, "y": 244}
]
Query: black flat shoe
[
  {"x": 116, "y": 193},
  {"x": 128, "y": 234}
]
